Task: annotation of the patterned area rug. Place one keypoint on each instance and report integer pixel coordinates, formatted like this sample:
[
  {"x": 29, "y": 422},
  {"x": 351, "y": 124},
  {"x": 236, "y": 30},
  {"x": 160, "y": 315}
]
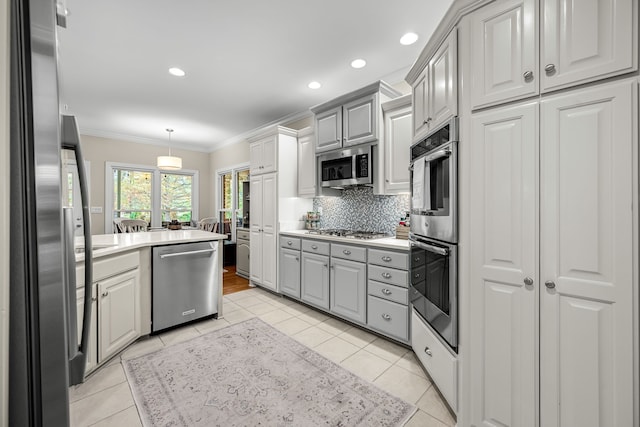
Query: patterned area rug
[{"x": 250, "y": 374}]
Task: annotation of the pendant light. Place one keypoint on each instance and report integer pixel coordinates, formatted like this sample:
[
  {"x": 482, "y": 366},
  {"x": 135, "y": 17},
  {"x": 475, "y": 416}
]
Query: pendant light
[{"x": 169, "y": 162}]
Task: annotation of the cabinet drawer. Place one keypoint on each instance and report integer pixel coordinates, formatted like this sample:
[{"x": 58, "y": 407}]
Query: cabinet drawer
[
  {"x": 243, "y": 234},
  {"x": 289, "y": 242},
  {"x": 388, "y": 292},
  {"x": 389, "y": 275},
  {"x": 389, "y": 258},
  {"x": 354, "y": 253},
  {"x": 315, "y": 247},
  {"x": 109, "y": 266},
  {"x": 437, "y": 359},
  {"x": 388, "y": 317}
]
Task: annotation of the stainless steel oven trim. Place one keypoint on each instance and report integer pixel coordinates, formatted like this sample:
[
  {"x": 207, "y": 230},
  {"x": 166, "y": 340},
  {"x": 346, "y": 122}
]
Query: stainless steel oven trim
[
  {"x": 350, "y": 152},
  {"x": 433, "y": 312}
]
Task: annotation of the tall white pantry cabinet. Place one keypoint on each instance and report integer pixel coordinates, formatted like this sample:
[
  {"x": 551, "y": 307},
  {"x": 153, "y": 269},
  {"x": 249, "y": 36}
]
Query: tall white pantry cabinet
[
  {"x": 274, "y": 205},
  {"x": 551, "y": 276}
]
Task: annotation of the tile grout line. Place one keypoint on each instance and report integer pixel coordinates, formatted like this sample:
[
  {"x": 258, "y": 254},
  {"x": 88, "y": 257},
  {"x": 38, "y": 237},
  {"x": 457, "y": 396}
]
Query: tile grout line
[{"x": 116, "y": 413}]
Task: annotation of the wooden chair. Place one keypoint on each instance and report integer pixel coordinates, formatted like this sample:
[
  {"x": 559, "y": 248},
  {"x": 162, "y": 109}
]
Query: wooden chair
[
  {"x": 208, "y": 224},
  {"x": 123, "y": 225}
]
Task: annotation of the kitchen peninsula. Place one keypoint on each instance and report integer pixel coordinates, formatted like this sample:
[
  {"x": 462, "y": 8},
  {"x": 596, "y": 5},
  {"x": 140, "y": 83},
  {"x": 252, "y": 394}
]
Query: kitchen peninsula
[{"x": 122, "y": 284}]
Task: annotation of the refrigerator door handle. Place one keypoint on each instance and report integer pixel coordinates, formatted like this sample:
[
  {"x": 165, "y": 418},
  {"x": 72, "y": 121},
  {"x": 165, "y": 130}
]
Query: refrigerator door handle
[
  {"x": 70, "y": 140},
  {"x": 70, "y": 280}
]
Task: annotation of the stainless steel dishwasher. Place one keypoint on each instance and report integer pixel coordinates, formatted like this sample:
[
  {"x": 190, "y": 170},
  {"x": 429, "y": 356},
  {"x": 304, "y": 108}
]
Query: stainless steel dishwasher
[{"x": 185, "y": 283}]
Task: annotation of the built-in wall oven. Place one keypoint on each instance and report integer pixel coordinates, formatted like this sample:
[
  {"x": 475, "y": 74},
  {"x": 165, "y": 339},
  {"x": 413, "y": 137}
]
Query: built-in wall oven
[{"x": 434, "y": 230}]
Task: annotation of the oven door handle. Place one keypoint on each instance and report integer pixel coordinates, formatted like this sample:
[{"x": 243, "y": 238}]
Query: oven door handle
[
  {"x": 431, "y": 248},
  {"x": 438, "y": 155}
]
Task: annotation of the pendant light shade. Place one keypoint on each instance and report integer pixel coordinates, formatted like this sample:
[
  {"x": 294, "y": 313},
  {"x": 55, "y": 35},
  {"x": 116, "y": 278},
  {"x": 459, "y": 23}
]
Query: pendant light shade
[{"x": 169, "y": 162}]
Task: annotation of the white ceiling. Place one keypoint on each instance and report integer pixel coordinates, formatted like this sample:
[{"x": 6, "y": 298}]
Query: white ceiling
[{"x": 248, "y": 62}]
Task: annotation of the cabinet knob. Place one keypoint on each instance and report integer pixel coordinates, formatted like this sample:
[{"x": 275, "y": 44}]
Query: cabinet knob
[
  {"x": 105, "y": 293},
  {"x": 386, "y": 291},
  {"x": 427, "y": 351},
  {"x": 386, "y": 180},
  {"x": 385, "y": 316},
  {"x": 429, "y": 120},
  {"x": 550, "y": 284},
  {"x": 314, "y": 246},
  {"x": 94, "y": 299},
  {"x": 386, "y": 258},
  {"x": 550, "y": 69},
  {"x": 326, "y": 265},
  {"x": 386, "y": 275},
  {"x": 528, "y": 281},
  {"x": 346, "y": 252},
  {"x": 528, "y": 75},
  {"x": 416, "y": 259},
  {"x": 417, "y": 275},
  {"x": 297, "y": 259},
  {"x": 289, "y": 242}
]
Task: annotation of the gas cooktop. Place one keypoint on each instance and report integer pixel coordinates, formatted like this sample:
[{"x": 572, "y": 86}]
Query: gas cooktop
[{"x": 351, "y": 234}]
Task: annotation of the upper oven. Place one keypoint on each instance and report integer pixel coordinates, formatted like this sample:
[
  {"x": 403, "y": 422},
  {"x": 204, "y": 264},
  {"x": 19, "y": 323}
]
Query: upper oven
[
  {"x": 347, "y": 167},
  {"x": 434, "y": 172}
]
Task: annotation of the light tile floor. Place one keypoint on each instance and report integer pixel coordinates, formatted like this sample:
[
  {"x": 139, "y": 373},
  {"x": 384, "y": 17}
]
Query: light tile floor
[{"x": 105, "y": 398}]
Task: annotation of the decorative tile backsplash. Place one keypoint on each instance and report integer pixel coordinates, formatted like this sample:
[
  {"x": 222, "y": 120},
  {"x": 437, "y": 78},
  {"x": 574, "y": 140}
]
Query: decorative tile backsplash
[{"x": 359, "y": 209}]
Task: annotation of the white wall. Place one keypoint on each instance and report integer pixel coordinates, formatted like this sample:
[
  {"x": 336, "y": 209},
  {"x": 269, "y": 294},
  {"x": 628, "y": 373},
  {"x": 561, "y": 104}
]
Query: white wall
[
  {"x": 4, "y": 209},
  {"x": 99, "y": 150}
]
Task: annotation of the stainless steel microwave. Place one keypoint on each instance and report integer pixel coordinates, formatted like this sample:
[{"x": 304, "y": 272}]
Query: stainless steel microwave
[{"x": 353, "y": 166}]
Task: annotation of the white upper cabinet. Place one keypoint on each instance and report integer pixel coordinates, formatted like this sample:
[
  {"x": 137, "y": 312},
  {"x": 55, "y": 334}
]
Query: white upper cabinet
[
  {"x": 351, "y": 119},
  {"x": 262, "y": 155},
  {"x": 504, "y": 52},
  {"x": 359, "y": 121},
  {"x": 580, "y": 41},
  {"x": 435, "y": 98},
  {"x": 586, "y": 40},
  {"x": 397, "y": 128},
  {"x": 306, "y": 163},
  {"x": 329, "y": 129}
]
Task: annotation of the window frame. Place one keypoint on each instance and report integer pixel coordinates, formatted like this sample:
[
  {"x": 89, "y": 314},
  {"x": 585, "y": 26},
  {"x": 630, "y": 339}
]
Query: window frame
[
  {"x": 156, "y": 201},
  {"x": 233, "y": 170}
]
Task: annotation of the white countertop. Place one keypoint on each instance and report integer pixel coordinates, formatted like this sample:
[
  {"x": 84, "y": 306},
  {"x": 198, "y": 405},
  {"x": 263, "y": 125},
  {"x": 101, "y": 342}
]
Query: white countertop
[
  {"x": 109, "y": 244},
  {"x": 385, "y": 242}
]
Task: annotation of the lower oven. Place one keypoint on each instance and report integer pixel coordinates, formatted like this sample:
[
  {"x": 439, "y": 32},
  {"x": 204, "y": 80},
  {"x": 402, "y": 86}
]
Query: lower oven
[{"x": 434, "y": 289}]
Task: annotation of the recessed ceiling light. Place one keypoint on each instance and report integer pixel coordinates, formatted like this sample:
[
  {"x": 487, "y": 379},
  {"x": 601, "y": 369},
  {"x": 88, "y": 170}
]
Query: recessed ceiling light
[
  {"x": 176, "y": 72},
  {"x": 409, "y": 38},
  {"x": 358, "y": 63},
  {"x": 314, "y": 85}
]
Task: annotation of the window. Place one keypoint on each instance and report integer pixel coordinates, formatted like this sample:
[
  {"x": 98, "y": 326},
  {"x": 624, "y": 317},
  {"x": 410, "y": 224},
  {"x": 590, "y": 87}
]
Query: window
[
  {"x": 147, "y": 193},
  {"x": 132, "y": 191}
]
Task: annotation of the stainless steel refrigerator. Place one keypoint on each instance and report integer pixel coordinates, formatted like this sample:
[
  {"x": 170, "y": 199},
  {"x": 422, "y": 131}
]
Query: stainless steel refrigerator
[{"x": 45, "y": 357}]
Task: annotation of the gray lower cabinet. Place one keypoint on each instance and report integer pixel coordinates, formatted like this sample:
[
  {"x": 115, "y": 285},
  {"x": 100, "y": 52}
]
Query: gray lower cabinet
[
  {"x": 290, "y": 272},
  {"x": 315, "y": 279},
  {"x": 348, "y": 285},
  {"x": 242, "y": 253}
]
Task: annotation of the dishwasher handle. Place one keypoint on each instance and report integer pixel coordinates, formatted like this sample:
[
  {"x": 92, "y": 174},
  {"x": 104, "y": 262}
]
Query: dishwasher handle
[{"x": 202, "y": 251}]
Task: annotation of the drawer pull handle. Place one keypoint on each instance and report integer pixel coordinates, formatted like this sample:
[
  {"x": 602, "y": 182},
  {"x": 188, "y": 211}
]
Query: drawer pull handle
[
  {"x": 105, "y": 293},
  {"x": 94, "y": 299},
  {"x": 417, "y": 275},
  {"x": 326, "y": 265},
  {"x": 426, "y": 350},
  {"x": 386, "y": 258},
  {"x": 386, "y": 291},
  {"x": 386, "y": 275},
  {"x": 346, "y": 252},
  {"x": 416, "y": 259},
  {"x": 385, "y": 316},
  {"x": 314, "y": 246},
  {"x": 289, "y": 243}
]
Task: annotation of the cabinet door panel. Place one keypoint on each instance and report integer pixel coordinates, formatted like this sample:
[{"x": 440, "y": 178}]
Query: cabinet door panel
[
  {"x": 348, "y": 289},
  {"x": 256, "y": 150},
  {"x": 290, "y": 272},
  {"x": 419, "y": 103},
  {"x": 269, "y": 259},
  {"x": 329, "y": 130},
  {"x": 396, "y": 149},
  {"x": 306, "y": 166},
  {"x": 586, "y": 336},
  {"x": 585, "y": 40},
  {"x": 443, "y": 83},
  {"x": 119, "y": 315},
  {"x": 315, "y": 279},
  {"x": 269, "y": 154},
  {"x": 360, "y": 121},
  {"x": 269, "y": 200},
  {"x": 504, "y": 37},
  {"x": 503, "y": 362}
]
